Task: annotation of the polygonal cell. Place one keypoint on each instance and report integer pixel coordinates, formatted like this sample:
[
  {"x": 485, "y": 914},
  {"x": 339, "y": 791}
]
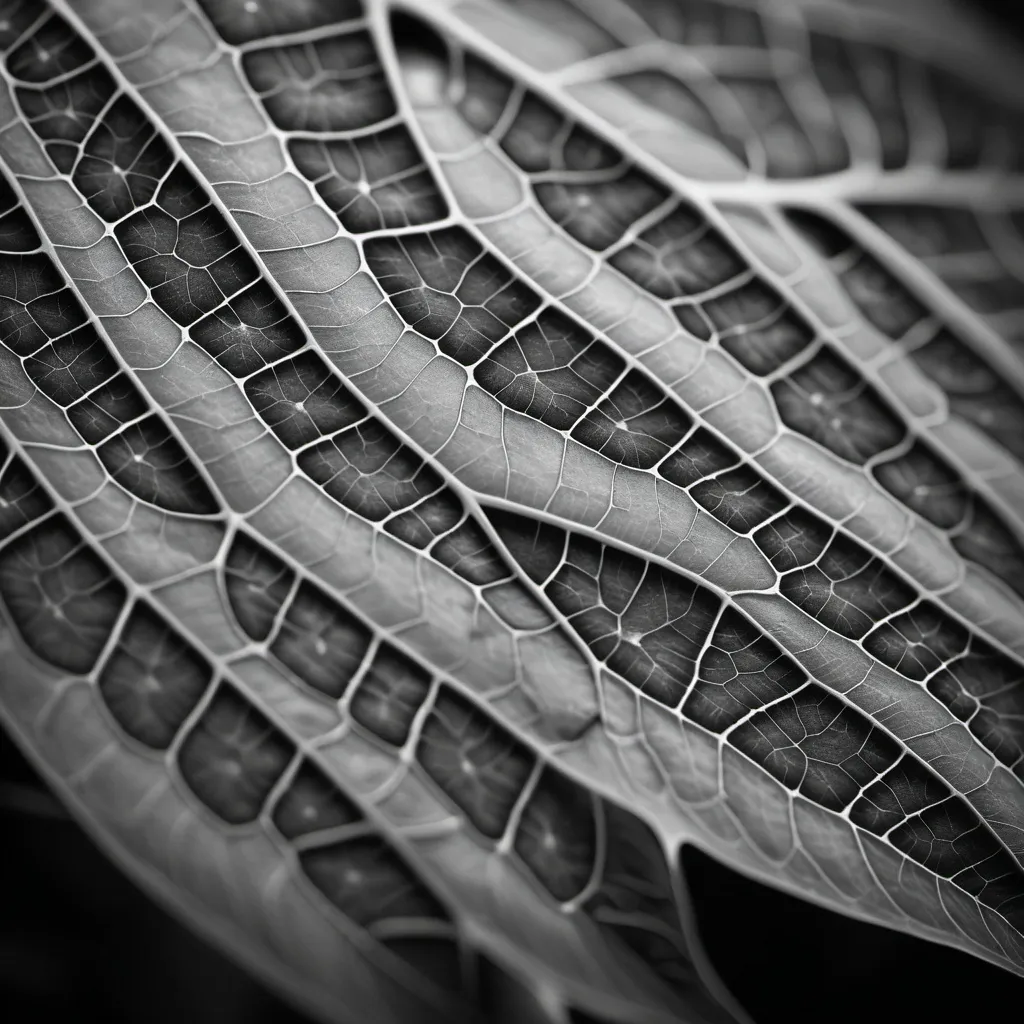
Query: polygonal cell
[
  {"x": 372, "y": 182},
  {"x": 62, "y": 115},
  {"x": 482, "y": 94},
  {"x": 599, "y": 212},
  {"x": 995, "y": 293},
  {"x": 433, "y": 517},
  {"x": 927, "y": 485},
  {"x": 477, "y": 763},
  {"x": 252, "y": 331},
  {"x": 369, "y": 883},
  {"x": 828, "y": 401},
  {"x": 389, "y": 695},
  {"x": 795, "y": 539},
  {"x": 985, "y": 688},
  {"x": 35, "y": 304},
  {"x": 468, "y": 551},
  {"x": 246, "y": 21},
  {"x": 257, "y": 584},
  {"x": 22, "y": 499},
  {"x": 693, "y": 320},
  {"x": 17, "y": 233},
  {"x": 853, "y": 72},
  {"x": 679, "y": 256},
  {"x": 321, "y": 641},
  {"x": 151, "y": 464},
  {"x": 59, "y": 594},
  {"x": 445, "y": 286},
  {"x": 905, "y": 789},
  {"x": 681, "y": 101},
  {"x": 823, "y": 234},
  {"x": 420, "y": 276},
  {"x": 184, "y": 251},
  {"x": 700, "y": 456},
  {"x": 980, "y": 691},
  {"x": 979, "y": 684},
  {"x": 733, "y": 492},
  {"x": 847, "y": 589},
  {"x": 537, "y": 547},
  {"x": 313, "y": 802},
  {"x": 123, "y": 162},
  {"x": 974, "y": 390},
  {"x": 71, "y": 366},
  {"x": 107, "y": 409},
  {"x": 918, "y": 642},
  {"x": 332, "y": 85},
  {"x": 365, "y": 468},
  {"x": 19, "y": 17},
  {"x": 233, "y": 756},
  {"x": 539, "y": 138},
  {"x": 925, "y": 230},
  {"x": 636, "y": 425},
  {"x": 740, "y": 671},
  {"x": 153, "y": 679},
  {"x": 557, "y": 835},
  {"x": 986, "y": 538},
  {"x": 635, "y": 900},
  {"x": 949, "y": 839},
  {"x": 818, "y": 746},
  {"x": 583, "y": 152},
  {"x": 425, "y": 56},
  {"x": 513, "y": 603},
  {"x": 989, "y": 676},
  {"x": 997, "y": 728},
  {"x": 53, "y": 51},
  {"x": 302, "y": 400},
  {"x": 790, "y": 146},
  {"x": 879, "y": 295},
  {"x": 756, "y": 326},
  {"x": 740, "y": 498},
  {"x": 9, "y": 200},
  {"x": 552, "y": 370},
  {"x": 646, "y": 623}
]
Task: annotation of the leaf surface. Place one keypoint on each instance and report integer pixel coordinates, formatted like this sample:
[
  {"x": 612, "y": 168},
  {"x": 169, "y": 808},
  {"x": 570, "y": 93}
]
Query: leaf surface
[{"x": 454, "y": 454}]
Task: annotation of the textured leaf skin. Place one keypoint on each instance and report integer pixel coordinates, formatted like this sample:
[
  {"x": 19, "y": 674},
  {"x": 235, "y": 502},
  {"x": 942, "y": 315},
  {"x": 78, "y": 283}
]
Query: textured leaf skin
[{"x": 456, "y": 453}]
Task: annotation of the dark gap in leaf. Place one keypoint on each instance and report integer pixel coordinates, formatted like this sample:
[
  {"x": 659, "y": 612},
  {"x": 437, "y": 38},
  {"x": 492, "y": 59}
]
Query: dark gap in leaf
[{"x": 785, "y": 959}]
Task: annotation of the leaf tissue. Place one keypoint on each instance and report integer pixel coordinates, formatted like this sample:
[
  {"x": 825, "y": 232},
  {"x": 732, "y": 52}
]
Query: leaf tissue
[{"x": 456, "y": 453}]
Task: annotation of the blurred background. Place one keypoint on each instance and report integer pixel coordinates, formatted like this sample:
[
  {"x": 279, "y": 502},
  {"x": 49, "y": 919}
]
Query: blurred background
[{"x": 78, "y": 941}]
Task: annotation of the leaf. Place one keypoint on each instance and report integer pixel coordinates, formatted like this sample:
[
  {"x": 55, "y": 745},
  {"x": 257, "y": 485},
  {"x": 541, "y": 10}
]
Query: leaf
[{"x": 456, "y": 454}]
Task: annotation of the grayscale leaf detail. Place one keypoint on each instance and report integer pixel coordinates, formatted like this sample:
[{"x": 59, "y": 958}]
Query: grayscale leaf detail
[{"x": 453, "y": 454}]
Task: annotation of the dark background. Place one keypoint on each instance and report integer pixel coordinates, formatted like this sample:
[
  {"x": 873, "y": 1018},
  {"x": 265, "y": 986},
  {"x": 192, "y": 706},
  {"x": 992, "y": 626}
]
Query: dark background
[{"x": 78, "y": 941}]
